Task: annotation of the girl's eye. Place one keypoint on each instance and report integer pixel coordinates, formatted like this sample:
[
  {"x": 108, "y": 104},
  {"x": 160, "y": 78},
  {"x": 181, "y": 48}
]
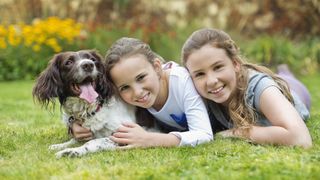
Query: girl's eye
[
  {"x": 123, "y": 88},
  {"x": 199, "y": 74},
  {"x": 141, "y": 77},
  {"x": 217, "y": 67}
]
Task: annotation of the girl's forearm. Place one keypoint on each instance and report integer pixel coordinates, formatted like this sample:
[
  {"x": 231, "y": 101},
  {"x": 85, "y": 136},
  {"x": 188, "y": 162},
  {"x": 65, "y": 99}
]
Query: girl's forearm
[
  {"x": 275, "y": 135},
  {"x": 163, "y": 140}
]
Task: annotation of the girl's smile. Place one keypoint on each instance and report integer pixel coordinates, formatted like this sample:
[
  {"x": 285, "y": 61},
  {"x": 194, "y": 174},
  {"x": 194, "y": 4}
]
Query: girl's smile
[
  {"x": 144, "y": 99},
  {"x": 216, "y": 91}
]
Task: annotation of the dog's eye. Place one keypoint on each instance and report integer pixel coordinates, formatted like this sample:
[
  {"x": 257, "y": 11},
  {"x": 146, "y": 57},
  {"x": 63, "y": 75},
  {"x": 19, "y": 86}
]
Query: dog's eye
[
  {"x": 68, "y": 63},
  {"x": 93, "y": 59}
]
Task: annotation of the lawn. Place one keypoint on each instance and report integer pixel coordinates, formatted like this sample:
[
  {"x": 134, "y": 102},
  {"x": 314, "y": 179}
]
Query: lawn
[{"x": 26, "y": 131}]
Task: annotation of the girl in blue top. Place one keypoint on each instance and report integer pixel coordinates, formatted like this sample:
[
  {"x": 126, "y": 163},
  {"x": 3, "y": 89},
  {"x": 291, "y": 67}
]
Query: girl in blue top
[{"x": 248, "y": 100}]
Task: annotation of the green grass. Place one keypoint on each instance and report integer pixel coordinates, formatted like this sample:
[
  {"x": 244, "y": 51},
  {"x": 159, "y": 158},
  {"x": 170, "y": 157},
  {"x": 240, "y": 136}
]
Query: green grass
[{"x": 26, "y": 131}]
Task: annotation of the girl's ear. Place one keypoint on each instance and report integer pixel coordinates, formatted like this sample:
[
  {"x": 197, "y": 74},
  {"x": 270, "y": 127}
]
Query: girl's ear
[
  {"x": 236, "y": 65},
  {"x": 157, "y": 66}
]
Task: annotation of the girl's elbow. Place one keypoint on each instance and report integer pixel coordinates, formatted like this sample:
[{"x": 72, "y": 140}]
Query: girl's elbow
[
  {"x": 306, "y": 143},
  {"x": 302, "y": 140},
  {"x": 209, "y": 137}
]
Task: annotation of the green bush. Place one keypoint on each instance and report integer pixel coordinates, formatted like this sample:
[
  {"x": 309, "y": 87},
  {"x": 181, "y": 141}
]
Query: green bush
[
  {"x": 303, "y": 56},
  {"x": 26, "y": 49},
  {"x": 166, "y": 44}
]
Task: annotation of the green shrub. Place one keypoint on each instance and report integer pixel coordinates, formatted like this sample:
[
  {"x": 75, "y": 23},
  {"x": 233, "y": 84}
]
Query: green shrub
[
  {"x": 303, "y": 56},
  {"x": 166, "y": 43},
  {"x": 26, "y": 49}
]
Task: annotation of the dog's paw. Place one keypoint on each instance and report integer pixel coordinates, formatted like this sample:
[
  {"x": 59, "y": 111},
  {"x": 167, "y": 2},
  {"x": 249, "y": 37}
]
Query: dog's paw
[
  {"x": 56, "y": 147},
  {"x": 69, "y": 152}
]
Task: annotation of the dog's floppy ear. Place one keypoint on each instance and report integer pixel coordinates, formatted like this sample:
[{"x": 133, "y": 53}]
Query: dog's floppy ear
[
  {"x": 103, "y": 86},
  {"x": 49, "y": 84}
]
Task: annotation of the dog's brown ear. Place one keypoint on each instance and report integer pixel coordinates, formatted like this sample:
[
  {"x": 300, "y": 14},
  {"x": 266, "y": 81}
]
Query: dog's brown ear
[{"x": 49, "y": 84}]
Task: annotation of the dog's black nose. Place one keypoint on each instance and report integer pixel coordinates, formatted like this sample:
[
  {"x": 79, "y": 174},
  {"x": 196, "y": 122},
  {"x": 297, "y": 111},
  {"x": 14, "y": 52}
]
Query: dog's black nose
[{"x": 87, "y": 66}]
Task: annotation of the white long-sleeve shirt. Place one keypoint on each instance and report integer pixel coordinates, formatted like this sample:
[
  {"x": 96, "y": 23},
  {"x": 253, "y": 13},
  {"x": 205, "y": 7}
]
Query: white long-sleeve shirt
[{"x": 184, "y": 110}]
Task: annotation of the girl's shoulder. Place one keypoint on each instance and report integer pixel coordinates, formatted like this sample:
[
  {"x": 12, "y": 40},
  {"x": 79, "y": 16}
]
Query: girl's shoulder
[
  {"x": 179, "y": 81},
  {"x": 169, "y": 65},
  {"x": 176, "y": 71},
  {"x": 257, "y": 83}
]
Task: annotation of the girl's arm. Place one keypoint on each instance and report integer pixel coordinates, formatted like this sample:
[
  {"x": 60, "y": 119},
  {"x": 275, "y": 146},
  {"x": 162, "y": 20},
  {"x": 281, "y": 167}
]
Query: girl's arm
[
  {"x": 287, "y": 127},
  {"x": 135, "y": 136},
  {"x": 196, "y": 115}
]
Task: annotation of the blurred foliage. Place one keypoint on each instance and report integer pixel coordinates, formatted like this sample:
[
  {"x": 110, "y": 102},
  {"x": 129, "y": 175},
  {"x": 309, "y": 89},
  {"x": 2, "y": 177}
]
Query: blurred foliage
[
  {"x": 303, "y": 57},
  {"x": 271, "y": 31},
  {"x": 293, "y": 18},
  {"x": 25, "y": 49}
]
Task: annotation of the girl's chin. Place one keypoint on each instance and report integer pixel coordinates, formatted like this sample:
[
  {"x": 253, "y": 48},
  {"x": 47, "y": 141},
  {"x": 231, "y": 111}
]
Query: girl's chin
[
  {"x": 219, "y": 100},
  {"x": 146, "y": 105}
]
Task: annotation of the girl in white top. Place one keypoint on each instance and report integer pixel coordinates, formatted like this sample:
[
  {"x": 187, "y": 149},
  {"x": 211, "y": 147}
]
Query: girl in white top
[{"x": 167, "y": 93}]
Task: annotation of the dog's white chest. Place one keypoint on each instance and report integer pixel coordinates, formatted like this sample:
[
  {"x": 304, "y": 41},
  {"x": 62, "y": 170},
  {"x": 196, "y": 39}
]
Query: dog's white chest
[{"x": 102, "y": 119}]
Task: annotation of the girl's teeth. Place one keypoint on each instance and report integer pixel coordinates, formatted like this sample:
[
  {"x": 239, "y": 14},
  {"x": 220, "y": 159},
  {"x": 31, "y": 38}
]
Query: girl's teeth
[{"x": 217, "y": 90}]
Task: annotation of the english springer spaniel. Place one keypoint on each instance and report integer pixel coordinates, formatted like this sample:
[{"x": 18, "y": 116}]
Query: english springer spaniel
[{"x": 78, "y": 80}]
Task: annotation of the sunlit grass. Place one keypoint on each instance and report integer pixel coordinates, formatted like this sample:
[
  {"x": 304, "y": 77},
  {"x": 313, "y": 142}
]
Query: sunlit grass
[{"x": 26, "y": 131}]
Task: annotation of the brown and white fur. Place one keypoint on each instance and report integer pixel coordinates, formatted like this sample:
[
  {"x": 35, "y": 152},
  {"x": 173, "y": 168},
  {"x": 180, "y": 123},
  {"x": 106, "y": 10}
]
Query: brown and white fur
[{"x": 67, "y": 76}]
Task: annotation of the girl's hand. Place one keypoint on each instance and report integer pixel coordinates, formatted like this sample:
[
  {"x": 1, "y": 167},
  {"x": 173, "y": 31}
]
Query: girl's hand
[
  {"x": 131, "y": 135},
  {"x": 226, "y": 133},
  {"x": 81, "y": 133},
  {"x": 234, "y": 133}
]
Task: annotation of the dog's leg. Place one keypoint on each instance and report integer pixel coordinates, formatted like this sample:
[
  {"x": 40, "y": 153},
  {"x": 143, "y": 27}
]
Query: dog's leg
[
  {"x": 91, "y": 146},
  {"x": 63, "y": 145}
]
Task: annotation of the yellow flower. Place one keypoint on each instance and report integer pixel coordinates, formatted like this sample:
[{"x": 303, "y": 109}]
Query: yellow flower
[
  {"x": 28, "y": 36},
  {"x": 53, "y": 44},
  {"x": 3, "y": 31},
  {"x": 57, "y": 49},
  {"x": 3, "y": 44},
  {"x": 36, "y": 48},
  {"x": 51, "y": 32},
  {"x": 14, "y": 37}
]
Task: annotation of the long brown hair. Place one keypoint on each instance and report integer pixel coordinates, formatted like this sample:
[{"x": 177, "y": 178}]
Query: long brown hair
[
  {"x": 242, "y": 115},
  {"x": 126, "y": 47}
]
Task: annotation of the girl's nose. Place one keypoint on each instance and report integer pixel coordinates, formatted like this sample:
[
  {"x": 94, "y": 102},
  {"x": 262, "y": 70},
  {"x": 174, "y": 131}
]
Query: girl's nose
[
  {"x": 137, "y": 90},
  {"x": 211, "y": 80}
]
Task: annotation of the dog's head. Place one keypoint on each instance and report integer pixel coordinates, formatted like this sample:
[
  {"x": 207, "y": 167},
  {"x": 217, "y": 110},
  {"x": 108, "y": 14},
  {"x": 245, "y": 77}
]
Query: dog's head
[{"x": 68, "y": 74}]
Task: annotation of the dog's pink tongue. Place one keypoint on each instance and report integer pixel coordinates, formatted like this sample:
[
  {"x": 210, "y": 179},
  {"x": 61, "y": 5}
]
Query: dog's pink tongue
[{"x": 88, "y": 93}]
